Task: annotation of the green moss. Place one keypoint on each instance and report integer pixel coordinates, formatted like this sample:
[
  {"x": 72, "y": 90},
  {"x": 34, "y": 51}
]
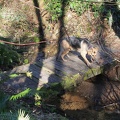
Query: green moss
[
  {"x": 67, "y": 83},
  {"x": 36, "y": 39},
  {"x": 93, "y": 72},
  {"x": 70, "y": 82},
  {"x": 99, "y": 70}
]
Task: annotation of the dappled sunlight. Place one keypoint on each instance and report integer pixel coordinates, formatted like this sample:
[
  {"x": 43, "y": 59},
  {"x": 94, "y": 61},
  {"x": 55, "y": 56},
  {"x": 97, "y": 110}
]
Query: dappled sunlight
[{"x": 61, "y": 57}]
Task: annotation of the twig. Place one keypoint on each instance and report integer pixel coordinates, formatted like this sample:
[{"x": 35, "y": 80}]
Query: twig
[{"x": 25, "y": 44}]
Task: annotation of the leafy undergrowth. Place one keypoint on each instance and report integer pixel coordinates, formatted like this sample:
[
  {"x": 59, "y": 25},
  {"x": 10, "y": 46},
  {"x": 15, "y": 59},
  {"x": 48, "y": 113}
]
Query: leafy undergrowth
[
  {"x": 29, "y": 105},
  {"x": 64, "y": 101},
  {"x": 53, "y": 102}
]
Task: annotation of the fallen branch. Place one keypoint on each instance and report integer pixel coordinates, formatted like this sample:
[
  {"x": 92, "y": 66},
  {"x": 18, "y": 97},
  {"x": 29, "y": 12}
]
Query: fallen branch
[{"x": 26, "y": 44}]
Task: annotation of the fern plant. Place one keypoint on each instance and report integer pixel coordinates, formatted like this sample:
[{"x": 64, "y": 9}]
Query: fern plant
[
  {"x": 5, "y": 110},
  {"x": 7, "y": 56},
  {"x": 21, "y": 94},
  {"x": 39, "y": 95}
]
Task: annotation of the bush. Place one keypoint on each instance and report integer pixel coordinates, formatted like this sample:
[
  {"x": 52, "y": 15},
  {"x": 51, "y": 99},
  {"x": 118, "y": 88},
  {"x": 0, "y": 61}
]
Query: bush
[
  {"x": 54, "y": 7},
  {"x": 8, "y": 57}
]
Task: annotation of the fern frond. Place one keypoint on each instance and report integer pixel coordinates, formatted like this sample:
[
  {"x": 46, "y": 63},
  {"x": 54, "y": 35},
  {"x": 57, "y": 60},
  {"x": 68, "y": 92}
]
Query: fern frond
[{"x": 21, "y": 94}]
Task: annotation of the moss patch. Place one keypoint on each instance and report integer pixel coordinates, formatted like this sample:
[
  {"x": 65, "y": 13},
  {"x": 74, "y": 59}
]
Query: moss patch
[
  {"x": 93, "y": 72},
  {"x": 69, "y": 82}
]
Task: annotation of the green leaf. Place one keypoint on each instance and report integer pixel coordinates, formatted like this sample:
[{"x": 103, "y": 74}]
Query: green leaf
[
  {"x": 13, "y": 75},
  {"x": 26, "y": 61}
]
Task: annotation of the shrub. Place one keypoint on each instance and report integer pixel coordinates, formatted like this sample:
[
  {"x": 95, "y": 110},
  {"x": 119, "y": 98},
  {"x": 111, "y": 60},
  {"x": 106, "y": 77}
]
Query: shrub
[{"x": 8, "y": 57}]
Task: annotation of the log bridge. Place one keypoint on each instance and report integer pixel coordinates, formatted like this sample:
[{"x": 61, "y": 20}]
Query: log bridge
[{"x": 45, "y": 71}]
